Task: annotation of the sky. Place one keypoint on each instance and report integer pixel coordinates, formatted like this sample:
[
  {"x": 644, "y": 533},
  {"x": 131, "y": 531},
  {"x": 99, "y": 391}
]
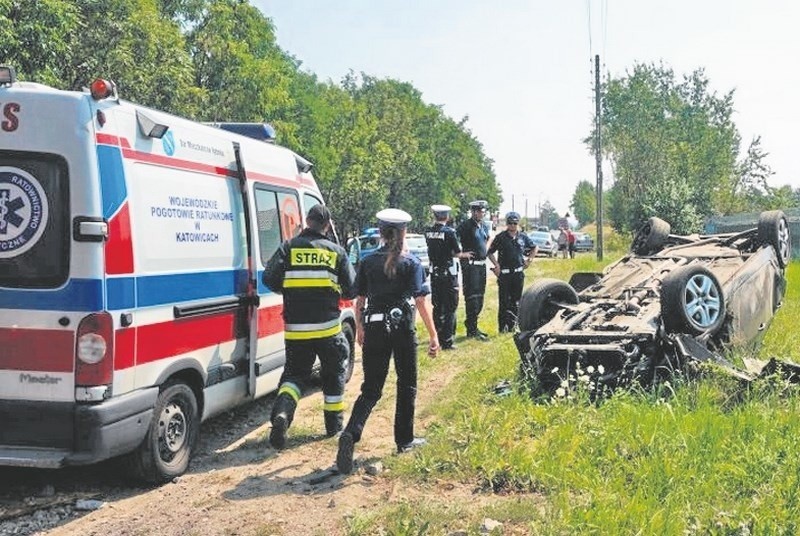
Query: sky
[{"x": 522, "y": 71}]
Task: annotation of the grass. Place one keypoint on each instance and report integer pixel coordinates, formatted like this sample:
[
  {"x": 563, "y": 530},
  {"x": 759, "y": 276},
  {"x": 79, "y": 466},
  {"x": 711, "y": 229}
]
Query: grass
[{"x": 709, "y": 456}]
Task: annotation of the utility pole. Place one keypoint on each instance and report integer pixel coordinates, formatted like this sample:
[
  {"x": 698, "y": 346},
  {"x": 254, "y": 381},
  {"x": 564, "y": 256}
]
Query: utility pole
[{"x": 598, "y": 157}]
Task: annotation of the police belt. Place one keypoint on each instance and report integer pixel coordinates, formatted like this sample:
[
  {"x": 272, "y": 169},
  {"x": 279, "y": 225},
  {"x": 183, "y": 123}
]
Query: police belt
[
  {"x": 441, "y": 271},
  {"x": 512, "y": 270},
  {"x": 393, "y": 315},
  {"x": 481, "y": 262}
]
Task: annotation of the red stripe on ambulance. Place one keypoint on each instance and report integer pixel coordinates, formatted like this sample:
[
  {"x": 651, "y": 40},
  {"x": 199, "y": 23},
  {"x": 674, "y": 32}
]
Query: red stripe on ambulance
[
  {"x": 37, "y": 350},
  {"x": 119, "y": 248}
]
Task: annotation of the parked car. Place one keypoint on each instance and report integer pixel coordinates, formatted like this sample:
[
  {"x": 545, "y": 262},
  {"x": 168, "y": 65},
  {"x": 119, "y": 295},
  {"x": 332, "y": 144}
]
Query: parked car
[
  {"x": 583, "y": 242},
  {"x": 364, "y": 244},
  {"x": 416, "y": 244},
  {"x": 370, "y": 241},
  {"x": 547, "y": 246},
  {"x": 674, "y": 300}
]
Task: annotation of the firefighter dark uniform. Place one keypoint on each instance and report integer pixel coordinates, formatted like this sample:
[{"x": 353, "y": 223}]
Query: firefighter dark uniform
[
  {"x": 514, "y": 251},
  {"x": 312, "y": 273},
  {"x": 474, "y": 237},
  {"x": 388, "y": 323},
  {"x": 442, "y": 247}
]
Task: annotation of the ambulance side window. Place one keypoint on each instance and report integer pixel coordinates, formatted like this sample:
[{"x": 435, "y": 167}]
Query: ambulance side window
[
  {"x": 309, "y": 201},
  {"x": 291, "y": 220},
  {"x": 267, "y": 222}
]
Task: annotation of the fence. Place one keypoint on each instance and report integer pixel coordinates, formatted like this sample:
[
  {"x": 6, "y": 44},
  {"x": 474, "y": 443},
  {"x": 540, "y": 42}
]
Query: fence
[{"x": 748, "y": 220}]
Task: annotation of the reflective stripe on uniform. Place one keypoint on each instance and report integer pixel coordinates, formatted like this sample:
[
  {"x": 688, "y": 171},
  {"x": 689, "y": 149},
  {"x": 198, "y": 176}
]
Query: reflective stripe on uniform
[
  {"x": 290, "y": 389},
  {"x": 333, "y": 403},
  {"x": 296, "y": 332},
  {"x": 311, "y": 283},
  {"x": 311, "y": 274}
]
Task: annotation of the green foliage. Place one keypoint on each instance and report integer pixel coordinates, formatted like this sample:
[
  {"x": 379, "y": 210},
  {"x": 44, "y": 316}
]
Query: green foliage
[
  {"x": 584, "y": 202},
  {"x": 374, "y": 143},
  {"x": 673, "y": 145}
]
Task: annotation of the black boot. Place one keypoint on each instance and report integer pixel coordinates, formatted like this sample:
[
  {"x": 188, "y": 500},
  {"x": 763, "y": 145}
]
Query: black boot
[{"x": 334, "y": 423}]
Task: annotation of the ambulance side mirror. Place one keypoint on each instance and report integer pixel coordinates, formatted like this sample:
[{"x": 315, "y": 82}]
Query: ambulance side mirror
[{"x": 89, "y": 229}]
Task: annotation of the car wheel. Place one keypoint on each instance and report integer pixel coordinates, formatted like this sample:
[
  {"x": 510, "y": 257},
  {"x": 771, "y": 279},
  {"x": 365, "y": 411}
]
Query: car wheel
[
  {"x": 692, "y": 301},
  {"x": 650, "y": 237},
  {"x": 347, "y": 329},
  {"x": 171, "y": 438},
  {"x": 541, "y": 302},
  {"x": 774, "y": 230}
]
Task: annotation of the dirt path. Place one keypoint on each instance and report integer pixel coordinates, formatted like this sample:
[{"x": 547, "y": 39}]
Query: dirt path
[{"x": 237, "y": 484}]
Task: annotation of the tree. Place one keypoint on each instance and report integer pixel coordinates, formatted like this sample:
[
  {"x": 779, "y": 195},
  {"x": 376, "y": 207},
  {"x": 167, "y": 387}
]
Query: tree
[
  {"x": 584, "y": 202},
  {"x": 672, "y": 144}
]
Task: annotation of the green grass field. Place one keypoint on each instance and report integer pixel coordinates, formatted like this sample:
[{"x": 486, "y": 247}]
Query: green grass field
[{"x": 709, "y": 456}]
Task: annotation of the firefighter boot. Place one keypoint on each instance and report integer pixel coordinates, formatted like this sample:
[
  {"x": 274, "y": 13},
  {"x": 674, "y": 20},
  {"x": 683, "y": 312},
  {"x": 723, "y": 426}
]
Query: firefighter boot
[
  {"x": 334, "y": 423},
  {"x": 282, "y": 414}
]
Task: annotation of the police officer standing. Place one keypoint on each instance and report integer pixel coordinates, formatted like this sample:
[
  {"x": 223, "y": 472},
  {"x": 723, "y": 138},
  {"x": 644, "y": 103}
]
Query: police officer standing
[
  {"x": 515, "y": 250},
  {"x": 474, "y": 237},
  {"x": 386, "y": 282},
  {"x": 442, "y": 248},
  {"x": 312, "y": 273}
]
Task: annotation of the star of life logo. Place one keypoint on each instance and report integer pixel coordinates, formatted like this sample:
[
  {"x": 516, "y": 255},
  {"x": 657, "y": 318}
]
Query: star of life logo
[{"x": 23, "y": 211}]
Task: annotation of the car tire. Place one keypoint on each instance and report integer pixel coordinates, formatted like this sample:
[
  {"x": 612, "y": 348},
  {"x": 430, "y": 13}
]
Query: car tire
[
  {"x": 174, "y": 429},
  {"x": 347, "y": 329},
  {"x": 541, "y": 302},
  {"x": 692, "y": 301},
  {"x": 651, "y": 237},
  {"x": 773, "y": 230}
]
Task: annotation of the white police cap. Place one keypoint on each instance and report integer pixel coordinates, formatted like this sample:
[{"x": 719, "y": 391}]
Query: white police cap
[
  {"x": 393, "y": 217},
  {"x": 478, "y": 204},
  {"x": 440, "y": 209}
]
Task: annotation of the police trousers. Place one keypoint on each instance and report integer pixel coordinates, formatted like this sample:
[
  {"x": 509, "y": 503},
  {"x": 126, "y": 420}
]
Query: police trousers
[
  {"x": 444, "y": 295},
  {"x": 380, "y": 344},
  {"x": 509, "y": 292},
  {"x": 474, "y": 280},
  {"x": 334, "y": 354}
]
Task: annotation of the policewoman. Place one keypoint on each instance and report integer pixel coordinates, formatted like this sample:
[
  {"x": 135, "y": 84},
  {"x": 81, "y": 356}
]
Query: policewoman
[
  {"x": 515, "y": 250},
  {"x": 474, "y": 237},
  {"x": 387, "y": 283},
  {"x": 313, "y": 273},
  {"x": 443, "y": 249}
]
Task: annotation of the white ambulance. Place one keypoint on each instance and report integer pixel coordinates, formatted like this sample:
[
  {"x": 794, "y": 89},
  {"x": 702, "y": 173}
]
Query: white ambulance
[{"x": 132, "y": 245}]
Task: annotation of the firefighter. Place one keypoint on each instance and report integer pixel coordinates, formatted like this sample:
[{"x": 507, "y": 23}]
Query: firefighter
[
  {"x": 443, "y": 247},
  {"x": 312, "y": 273},
  {"x": 387, "y": 284},
  {"x": 474, "y": 237},
  {"x": 515, "y": 250}
]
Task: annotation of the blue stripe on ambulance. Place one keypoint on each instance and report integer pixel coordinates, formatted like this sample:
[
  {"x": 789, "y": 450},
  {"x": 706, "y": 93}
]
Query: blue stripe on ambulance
[
  {"x": 76, "y": 295},
  {"x": 112, "y": 179}
]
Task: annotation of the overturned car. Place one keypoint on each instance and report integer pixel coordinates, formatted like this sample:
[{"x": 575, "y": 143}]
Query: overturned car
[{"x": 672, "y": 301}]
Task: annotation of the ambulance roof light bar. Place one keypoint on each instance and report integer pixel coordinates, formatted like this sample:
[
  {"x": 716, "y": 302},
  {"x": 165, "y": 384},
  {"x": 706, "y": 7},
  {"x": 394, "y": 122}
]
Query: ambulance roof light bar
[{"x": 7, "y": 75}]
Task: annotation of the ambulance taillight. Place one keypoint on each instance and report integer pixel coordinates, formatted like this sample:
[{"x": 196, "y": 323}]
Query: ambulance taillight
[{"x": 94, "y": 356}]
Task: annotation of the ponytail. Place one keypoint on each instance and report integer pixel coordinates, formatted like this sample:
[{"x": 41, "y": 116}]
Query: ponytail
[{"x": 393, "y": 237}]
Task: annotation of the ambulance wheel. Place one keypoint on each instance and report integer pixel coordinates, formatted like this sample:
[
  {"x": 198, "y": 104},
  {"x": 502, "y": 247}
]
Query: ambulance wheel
[
  {"x": 174, "y": 430},
  {"x": 347, "y": 329}
]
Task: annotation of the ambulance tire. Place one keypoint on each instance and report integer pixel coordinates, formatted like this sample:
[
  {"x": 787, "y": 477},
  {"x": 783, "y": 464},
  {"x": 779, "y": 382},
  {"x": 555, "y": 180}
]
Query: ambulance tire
[
  {"x": 164, "y": 454},
  {"x": 349, "y": 334}
]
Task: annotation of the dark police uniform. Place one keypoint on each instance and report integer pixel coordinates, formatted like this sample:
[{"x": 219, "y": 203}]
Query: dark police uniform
[
  {"x": 474, "y": 236},
  {"x": 442, "y": 247},
  {"x": 313, "y": 273},
  {"x": 511, "y": 252},
  {"x": 389, "y": 330}
]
